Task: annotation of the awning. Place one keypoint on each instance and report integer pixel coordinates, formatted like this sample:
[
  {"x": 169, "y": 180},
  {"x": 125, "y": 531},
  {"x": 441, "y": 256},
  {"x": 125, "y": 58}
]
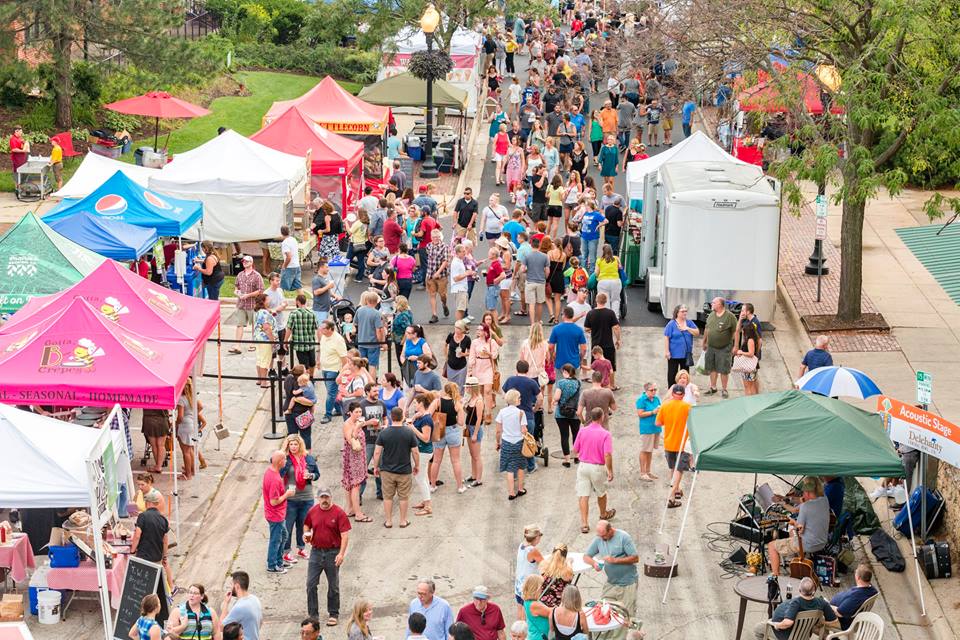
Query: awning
[{"x": 405, "y": 90}]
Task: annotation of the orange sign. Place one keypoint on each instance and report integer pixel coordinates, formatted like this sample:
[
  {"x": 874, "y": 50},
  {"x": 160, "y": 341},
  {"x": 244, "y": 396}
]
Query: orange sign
[
  {"x": 922, "y": 430},
  {"x": 353, "y": 127}
]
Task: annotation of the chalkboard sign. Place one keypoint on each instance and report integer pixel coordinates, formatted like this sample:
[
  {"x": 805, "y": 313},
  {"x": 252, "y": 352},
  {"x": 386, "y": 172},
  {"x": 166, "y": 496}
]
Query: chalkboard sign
[
  {"x": 142, "y": 579},
  {"x": 406, "y": 165}
]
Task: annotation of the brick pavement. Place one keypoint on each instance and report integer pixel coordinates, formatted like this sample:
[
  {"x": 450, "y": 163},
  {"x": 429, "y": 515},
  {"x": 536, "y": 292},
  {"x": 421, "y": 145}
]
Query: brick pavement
[{"x": 796, "y": 244}]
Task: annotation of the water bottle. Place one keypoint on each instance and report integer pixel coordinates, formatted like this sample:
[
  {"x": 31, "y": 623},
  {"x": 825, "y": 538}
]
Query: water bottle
[{"x": 789, "y": 591}]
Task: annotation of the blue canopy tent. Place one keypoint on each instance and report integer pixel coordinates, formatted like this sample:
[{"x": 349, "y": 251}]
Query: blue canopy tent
[
  {"x": 109, "y": 238},
  {"x": 121, "y": 199}
]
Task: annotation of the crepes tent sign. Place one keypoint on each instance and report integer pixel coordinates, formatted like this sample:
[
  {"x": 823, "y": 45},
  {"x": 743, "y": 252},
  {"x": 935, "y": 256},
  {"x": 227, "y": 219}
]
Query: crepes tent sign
[{"x": 922, "y": 430}]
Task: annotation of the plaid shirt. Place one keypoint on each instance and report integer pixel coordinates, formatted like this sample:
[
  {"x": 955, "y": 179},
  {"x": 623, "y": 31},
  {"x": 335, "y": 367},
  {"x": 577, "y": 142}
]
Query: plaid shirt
[
  {"x": 437, "y": 254},
  {"x": 302, "y": 324},
  {"x": 248, "y": 283}
]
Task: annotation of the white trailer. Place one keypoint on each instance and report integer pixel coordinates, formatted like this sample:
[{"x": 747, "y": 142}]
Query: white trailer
[{"x": 710, "y": 229}]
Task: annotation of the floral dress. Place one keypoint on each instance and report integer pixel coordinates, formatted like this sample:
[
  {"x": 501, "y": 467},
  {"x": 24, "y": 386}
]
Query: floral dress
[
  {"x": 514, "y": 167},
  {"x": 354, "y": 462}
]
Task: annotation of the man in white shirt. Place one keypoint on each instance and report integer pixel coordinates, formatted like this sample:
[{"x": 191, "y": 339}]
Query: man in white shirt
[
  {"x": 580, "y": 307},
  {"x": 459, "y": 285},
  {"x": 368, "y": 201},
  {"x": 290, "y": 273},
  {"x": 276, "y": 302}
]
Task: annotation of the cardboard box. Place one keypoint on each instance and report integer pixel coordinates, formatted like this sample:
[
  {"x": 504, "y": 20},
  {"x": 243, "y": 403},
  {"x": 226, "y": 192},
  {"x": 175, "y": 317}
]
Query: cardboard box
[{"x": 11, "y": 607}]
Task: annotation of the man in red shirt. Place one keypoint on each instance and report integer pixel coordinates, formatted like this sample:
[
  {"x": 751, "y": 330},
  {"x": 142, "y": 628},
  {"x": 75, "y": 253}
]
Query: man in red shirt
[
  {"x": 18, "y": 150},
  {"x": 483, "y": 617},
  {"x": 392, "y": 232},
  {"x": 275, "y": 496},
  {"x": 327, "y": 529},
  {"x": 494, "y": 275}
]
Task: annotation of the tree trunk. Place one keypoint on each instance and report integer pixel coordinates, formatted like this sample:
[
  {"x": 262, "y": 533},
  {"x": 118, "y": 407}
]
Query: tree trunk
[
  {"x": 63, "y": 90},
  {"x": 851, "y": 250}
]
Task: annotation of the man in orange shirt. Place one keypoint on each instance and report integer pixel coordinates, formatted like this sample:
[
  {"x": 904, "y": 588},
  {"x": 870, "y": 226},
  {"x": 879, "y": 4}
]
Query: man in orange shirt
[
  {"x": 608, "y": 119},
  {"x": 673, "y": 418}
]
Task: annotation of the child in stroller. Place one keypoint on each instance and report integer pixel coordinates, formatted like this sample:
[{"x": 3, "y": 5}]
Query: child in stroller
[{"x": 339, "y": 310}]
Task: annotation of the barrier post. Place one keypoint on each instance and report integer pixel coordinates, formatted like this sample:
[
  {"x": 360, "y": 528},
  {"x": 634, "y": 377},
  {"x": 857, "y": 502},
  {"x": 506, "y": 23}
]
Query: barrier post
[{"x": 272, "y": 434}]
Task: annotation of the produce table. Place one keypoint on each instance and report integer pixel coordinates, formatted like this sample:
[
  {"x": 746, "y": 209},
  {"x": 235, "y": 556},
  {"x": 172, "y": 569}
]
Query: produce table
[
  {"x": 17, "y": 556},
  {"x": 84, "y": 578}
]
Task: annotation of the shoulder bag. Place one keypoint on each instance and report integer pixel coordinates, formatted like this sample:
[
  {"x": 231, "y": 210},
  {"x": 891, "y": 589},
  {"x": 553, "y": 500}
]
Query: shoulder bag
[
  {"x": 304, "y": 420},
  {"x": 529, "y": 448},
  {"x": 439, "y": 426},
  {"x": 744, "y": 364}
]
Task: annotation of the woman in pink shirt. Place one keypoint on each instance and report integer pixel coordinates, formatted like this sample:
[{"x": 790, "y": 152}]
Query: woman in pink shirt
[
  {"x": 481, "y": 364},
  {"x": 404, "y": 264}
]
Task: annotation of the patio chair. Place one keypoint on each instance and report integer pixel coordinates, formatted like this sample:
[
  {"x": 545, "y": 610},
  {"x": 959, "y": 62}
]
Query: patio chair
[
  {"x": 865, "y": 626},
  {"x": 803, "y": 626},
  {"x": 868, "y": 604},
  {"x": 66, "y": 142}
]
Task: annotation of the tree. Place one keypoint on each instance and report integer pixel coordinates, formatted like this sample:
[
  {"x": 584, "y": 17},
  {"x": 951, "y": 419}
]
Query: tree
[
  {"x": 139, "y": 29},
  {"x": 898, "y": 64}
]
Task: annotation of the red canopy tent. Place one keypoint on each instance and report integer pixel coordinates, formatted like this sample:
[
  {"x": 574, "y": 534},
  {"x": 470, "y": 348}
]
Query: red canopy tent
[
  {"x": 336, "y": 162},
  {"x": 335, "y": 109},
  {"x": 158, "y": 104},
  {"x": 765, "y": 96}
]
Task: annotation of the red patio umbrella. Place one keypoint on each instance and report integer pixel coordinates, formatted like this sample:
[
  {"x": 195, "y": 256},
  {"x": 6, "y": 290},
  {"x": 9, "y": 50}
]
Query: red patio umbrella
[{"x": 158, "y": 104}]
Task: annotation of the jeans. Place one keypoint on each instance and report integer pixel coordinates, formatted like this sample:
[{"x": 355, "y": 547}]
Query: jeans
[
  {"x": 687, "y": 130},
  {"x": 370, "y": 446},
  {"x": 623, "y": 137},
  {"x": 404, "y": 287},
  {"x": 278, "y": 534},
  {"x": 330, "y": 382},
  {"x": 361, "y": 259},
  {"x": 589, "y": 248},
  {"x": 213, "y": 290},
  {"x": 323, "y": 561},
  {"x": 421, "y": 271},
  {"x": 613, "y": 241},
  {"x": 296, "y": 512}
]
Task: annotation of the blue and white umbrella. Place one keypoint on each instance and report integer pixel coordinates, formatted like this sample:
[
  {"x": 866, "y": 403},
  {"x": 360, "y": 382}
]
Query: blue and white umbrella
[{"x": 838, "y": 381}]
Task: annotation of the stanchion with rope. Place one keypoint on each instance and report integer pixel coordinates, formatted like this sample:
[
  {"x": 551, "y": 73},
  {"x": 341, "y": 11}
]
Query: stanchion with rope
[{"x": 219, "y": 430}]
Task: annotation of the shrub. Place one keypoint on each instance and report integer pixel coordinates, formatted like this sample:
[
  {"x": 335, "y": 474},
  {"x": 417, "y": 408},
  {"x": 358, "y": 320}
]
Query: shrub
[
  {"x": 16, "y": 79},
  {"x": 346, "y": 64},
  {"x": 42, "y": 117}
]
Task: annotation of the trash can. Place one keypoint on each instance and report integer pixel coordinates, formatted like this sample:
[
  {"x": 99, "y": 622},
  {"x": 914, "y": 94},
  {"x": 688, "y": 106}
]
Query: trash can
[{"x": 139, "y": 153}]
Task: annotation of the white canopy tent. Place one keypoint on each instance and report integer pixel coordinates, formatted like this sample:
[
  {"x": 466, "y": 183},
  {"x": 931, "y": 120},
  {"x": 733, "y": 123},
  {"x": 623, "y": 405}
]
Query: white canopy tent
[
  {"x": 697, "y": 147},
  {"x": 95, "y": 170},
  {"x": 50, "y": 463},
  {"x": 247, "y": 189}
]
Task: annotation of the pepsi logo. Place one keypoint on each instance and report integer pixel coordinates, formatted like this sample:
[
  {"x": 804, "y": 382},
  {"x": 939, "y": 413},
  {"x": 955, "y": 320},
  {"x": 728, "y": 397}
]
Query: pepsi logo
[
  {"x": 110, "y": 205},
  {"x": 156, "y": 200}
]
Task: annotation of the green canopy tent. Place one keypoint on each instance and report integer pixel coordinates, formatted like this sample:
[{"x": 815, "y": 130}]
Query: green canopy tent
[
  {"x": 405, "y": 90},
  {"x": 35, "y": 260},
  {"x": 788, "y": 432}
]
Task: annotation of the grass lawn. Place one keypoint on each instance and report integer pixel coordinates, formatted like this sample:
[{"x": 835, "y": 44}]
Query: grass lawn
[{"x": 242, "y": 114}]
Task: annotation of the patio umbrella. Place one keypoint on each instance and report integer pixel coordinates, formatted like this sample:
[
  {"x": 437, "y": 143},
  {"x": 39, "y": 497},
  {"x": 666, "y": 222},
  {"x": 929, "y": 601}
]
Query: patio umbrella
[
  {"x": 838, "y": 381},
  {"x": 158, "y": 104}
]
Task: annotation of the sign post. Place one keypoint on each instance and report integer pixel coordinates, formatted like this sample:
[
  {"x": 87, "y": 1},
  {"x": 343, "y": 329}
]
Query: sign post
[
  {"x": 924, "y": 398},
  {"x": 821, "y": 235}
]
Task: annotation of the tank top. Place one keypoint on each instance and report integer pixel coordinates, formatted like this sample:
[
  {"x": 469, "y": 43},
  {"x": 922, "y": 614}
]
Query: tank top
[
  {"x": 415, "y": 348},
  {"x": 216, "y": 274},
  {"x": 563, "y": 631},
  {"x": 449, "y": 409},
  {"x": 524, "y": 567},
  {"x": 538, "y": 626},
  {"x": 205, "y": 620},
  {"x": 470, "y": 415},
  {"x": 607, "y": 270}
]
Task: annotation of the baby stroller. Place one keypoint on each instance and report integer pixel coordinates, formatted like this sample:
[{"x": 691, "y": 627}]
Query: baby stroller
[{"x": 338, "y": 311}]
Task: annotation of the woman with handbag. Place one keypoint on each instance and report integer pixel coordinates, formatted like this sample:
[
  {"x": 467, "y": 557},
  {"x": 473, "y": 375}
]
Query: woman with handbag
[
  {"x": 354, "y": 461},
  {"x": 299, "y": 471},
  {"x": 481, "y": 364},
  {"x": 358, "y": 243},
  {"x": 422, "y": 426},
  {"x": 678, "y": 338},
  {"x": 473, "y": 407},
  {"x": 450, "y": 436},
  {"x": 511, "y": 430},
  {"x": 557, "y": 573},
  {"x": 566, "y": 397},
  {"x": 745, "y": 358}
]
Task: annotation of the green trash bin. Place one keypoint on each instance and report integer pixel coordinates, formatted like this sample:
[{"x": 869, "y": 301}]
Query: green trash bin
[{"x": 631, "y": 260}]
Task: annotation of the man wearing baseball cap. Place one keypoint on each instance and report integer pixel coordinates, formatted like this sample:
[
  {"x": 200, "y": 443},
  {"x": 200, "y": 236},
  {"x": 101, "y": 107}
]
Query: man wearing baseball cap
[
  {"x": 483, "y": 617},
  {"x": 673, "y": 418},
  {"x": 249, "y": 285},
  {"x": 327, "y": 529}
]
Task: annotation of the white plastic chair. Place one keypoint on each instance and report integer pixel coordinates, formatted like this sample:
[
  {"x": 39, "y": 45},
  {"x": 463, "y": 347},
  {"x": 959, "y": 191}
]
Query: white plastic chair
[
  {"x": 865, "y": 626},
  {"x": 803, "y": 626}
]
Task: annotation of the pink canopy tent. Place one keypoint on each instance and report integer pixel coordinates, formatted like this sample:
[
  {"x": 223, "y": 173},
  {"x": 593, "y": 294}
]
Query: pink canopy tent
[
  {"x": 132, "y": 302},
  {"x": 77, "y": 357}
]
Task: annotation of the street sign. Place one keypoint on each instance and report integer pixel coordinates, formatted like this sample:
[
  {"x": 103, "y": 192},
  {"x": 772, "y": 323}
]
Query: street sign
[
  {"x": 924, "y": 387},
  {"x": 821, "y": 229},
  {"x": 821, "y": 206}
]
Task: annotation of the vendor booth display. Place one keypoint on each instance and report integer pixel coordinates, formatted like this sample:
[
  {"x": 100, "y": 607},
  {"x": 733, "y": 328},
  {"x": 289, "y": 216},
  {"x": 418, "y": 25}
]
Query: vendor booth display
[
  {"x": 333, "y": 108},
  {"x": 52, "y": 464},
  {"x": 247, "y": 189},
  {"x": 110, "y": 238},
  {"x": 77, "y": 357},
  {"x": 95, "y": 169},
  {"x": 123, "y": 200},
  {"x": 38, "y": 261},
  {"x": 465, "y": 51},
  {"x": 336, "y": 162},
  {"x": 131, "y": 302}
]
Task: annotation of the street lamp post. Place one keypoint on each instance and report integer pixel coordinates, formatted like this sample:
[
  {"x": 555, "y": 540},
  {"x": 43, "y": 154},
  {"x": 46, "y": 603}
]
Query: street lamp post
[{"x": 429, "y": 22}]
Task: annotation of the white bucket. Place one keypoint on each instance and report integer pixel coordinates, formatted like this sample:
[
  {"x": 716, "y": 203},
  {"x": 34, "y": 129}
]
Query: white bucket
[{"x": 48, "y": 607}]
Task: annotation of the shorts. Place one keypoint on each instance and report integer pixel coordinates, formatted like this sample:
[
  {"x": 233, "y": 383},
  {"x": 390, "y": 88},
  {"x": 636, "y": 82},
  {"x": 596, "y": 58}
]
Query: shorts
[
  {"x": 749, "y": 377},
  {"x": 535, "y": 292},
  {"x": 591, "y": 480},
  {"x": 492, "y": 297},
  {"x": 242, "y": 318},
  {"x": 372, "y": 354},
  {"x": 553, "y": 211},
  {"x": 667, "y": 124},
  {"x": 506, "y": 284},
  {"x": 452, "y": 437},
  {"x": 290, "y": 279},
  {"x": 57, "y": 171},
  {"x": 649, "y": 442},
  {"x": 320, "y": 315},
  {"x": 437, "y": 285},
  {"x": 498, "y": 156},
  {"x": 787, "y": 547},
  {"x": 396, "y": 484},
  {"x": 264, "y": 355},
  {"x": 479, "y": 435},
  {"x": 307, "y": 358},
  {"x": 566, "y": 148},
  {"x": 459, "y": 300},
  {"x": 718, "y": 360},
  {"x": 684, "y": 463},
  {"x": 610, "y": 353},
  {"x": 520, "y": 281}
]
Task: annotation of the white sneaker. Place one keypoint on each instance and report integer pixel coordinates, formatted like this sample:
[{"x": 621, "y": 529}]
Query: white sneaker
[
  {"x": 879, "y": 492},
  {"x": 462, "y": 489}
]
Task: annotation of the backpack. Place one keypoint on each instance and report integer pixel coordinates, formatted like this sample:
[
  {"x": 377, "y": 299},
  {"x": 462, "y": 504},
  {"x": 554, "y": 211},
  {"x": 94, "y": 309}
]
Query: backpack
[
  {"x": 578, "y": 279},
  {"x": 568, "y": 408}
]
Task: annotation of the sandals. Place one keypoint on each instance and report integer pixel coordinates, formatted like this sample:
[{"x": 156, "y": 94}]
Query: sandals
[
  {"x": 332, "y": 622},
  {"x": 404, "y": 525},
  {"x": 673, "y": 504},
  {"x": 363, "y": 519},
  {"x": 387, "y": 525},
  {"x": 645, "y": 477},
  {"x": 584, "y": 529},
  {"x": 609, "y": 514},
  {"x": 234, "y": 352},
  {"x": 422, "y": 512}
]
